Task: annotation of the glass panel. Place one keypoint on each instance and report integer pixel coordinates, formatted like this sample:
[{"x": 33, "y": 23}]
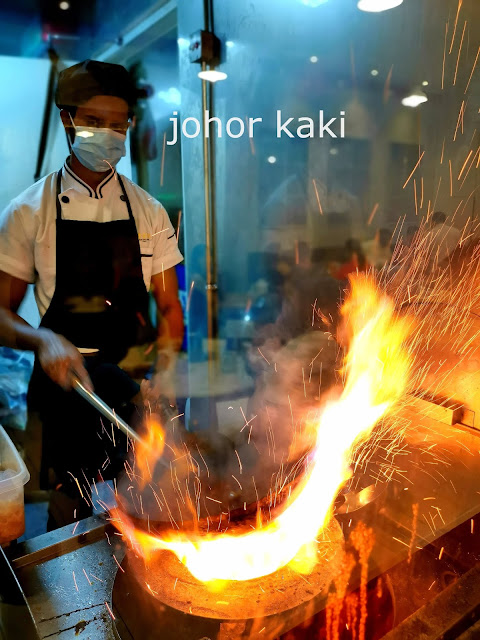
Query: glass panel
[{"x": 295, "y": 216}]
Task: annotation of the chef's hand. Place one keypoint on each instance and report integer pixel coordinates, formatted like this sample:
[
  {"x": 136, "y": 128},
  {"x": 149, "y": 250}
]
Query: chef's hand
[
  {"x": 61, "y": 360},
  {"x": 159, "y": 390}
]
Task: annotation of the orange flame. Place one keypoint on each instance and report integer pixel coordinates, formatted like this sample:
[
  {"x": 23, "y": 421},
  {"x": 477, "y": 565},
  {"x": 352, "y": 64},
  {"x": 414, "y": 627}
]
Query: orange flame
[
  {"x": 149, "y": 449},
  {"x": 376, "y": 369}
]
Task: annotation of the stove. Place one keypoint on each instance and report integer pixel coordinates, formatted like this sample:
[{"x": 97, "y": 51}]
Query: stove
[{"x": 171, "y": 599}]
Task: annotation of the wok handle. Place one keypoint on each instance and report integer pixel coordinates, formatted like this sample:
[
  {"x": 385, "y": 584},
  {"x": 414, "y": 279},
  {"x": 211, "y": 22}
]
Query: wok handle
[{"x": 98, "y": 404}]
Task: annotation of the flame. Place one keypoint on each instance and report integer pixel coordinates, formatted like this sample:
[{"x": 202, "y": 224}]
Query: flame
[
  {"x": 149, "y": 449},
  {"x": 376, "y": 371}
]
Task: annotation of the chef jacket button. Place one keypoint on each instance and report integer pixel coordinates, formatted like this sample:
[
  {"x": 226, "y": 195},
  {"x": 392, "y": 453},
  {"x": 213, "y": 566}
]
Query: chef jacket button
[
  {"x": 65, "y": 199},
  {"x": 123, "y": 198}
]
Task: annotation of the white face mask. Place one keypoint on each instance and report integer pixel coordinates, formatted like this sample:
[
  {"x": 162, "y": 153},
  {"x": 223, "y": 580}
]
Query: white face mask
[{"x": 98, "y": 149}]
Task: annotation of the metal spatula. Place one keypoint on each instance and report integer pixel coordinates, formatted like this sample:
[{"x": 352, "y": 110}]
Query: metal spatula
[{"x": 105, "y": 410}]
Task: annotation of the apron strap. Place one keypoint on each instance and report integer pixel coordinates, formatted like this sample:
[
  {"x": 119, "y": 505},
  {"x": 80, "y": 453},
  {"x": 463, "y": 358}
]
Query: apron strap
[
  {"x": 58, "y": 191},
  {"x": 125, "y": 197}
]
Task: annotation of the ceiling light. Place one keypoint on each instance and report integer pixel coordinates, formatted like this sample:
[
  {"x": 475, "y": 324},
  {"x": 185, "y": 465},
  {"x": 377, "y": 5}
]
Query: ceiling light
[
  {"x": 425, "y": 83},
  {"x": 64, "y": 5},
  {"x": 271, "y": 159},
  {"x": 314, "y": 59},
  {"x": 313, "y": 3},
  {"x": 212, "y": 75},
  {"x": 415, "y": 98},
  {"x": 374, "y": 72},
  {"x": 378, "y": 5}
]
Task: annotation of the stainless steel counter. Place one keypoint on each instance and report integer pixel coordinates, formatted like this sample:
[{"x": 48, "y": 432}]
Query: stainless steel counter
[
  {"x": 67, "y": 575},
  {"x": 67, "y": 578}
]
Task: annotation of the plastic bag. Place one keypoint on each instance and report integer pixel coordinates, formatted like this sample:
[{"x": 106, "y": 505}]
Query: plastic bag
[{"x": 15, "y": 371}]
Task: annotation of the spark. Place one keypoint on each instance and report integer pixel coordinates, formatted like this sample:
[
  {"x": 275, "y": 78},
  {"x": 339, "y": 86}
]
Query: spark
[
  {"x": 473, "y": 69},
  {"x": 477, "y": 153},
  {"x": 163, "y": 158},
  {"x": 459, "y": 53},
  {"x": 460, "y": 119},
  {"x": 118, "y": 564},
  {"x": 109, "y": 611},
  {"x": 441, "y": 553},
  {"x": 178, "y": 223},
  {"x": 436, "y": 195},
  {"x": 155, "y": 593},
  {"x": 88, "y": 579},
  {"x": 444, "y": 55},
  {"x": 414, "y": 169},
  {"x": 317, "y": 197},
  {"x": 190, "y": 294},
  {"x": 203, "y": 460},
  {"x": 460, "y": 2},
  {"x": 241, "y": 488},
  {"x": 263, "y": 356},
  {"x": 239, "y": 461},
  {"x": 372, "y": 214},
  {"x": 246, "y": 423},
  {"x": 74, "y": 580},
  {"x": 386, "y": 88},
  {"x": 76, "y": 480},
  {"x": 96, "y": 578}
]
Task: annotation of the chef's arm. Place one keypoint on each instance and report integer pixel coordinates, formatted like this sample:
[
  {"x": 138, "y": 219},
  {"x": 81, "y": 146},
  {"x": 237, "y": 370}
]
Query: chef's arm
[
  {"x": 170, "y": 326},
  {"x": 15, "y": 332},
  {"x": 58, "y": 357}
]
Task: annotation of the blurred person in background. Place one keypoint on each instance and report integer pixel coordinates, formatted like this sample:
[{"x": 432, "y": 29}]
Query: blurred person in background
[
  {"x": 411, "y": 236},
  {"x": 443, "y": 239},
  {"x": 378, "y": 251},
  {"x": 355, "y": 260}
]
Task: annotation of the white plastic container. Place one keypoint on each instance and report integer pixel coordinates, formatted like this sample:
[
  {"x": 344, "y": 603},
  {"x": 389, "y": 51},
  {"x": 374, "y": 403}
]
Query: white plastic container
[{"x": 12, "y": 509}]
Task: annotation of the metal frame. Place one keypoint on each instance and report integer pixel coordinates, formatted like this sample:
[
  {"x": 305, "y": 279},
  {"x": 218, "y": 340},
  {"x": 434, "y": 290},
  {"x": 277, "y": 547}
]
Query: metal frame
[{"x": 158, "y": 21}]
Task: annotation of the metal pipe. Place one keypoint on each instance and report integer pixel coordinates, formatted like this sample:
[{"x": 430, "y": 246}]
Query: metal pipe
[
  {"x": 105, "y": 410},
  {"x": 208, "y": 15},
  {"x": 210, "y": 244}
]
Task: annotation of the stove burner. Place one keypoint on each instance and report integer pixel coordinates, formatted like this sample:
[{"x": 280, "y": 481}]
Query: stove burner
[{"x": 175, "y": 605}]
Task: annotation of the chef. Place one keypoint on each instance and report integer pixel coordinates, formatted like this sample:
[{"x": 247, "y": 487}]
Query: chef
[{"x": 93, "y": 244}]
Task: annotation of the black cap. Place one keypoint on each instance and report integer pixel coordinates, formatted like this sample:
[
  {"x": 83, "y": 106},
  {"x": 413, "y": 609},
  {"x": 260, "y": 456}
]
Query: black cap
[{"x": 77, "y": 84}]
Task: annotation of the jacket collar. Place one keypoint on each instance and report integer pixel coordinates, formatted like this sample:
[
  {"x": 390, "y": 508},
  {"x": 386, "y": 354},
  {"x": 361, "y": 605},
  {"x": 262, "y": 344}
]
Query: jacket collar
[{"x": 72, "y": 181}]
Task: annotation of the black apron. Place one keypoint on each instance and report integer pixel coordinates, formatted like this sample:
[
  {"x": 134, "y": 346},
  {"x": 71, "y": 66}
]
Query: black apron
[{"x": 100, "y": 302}]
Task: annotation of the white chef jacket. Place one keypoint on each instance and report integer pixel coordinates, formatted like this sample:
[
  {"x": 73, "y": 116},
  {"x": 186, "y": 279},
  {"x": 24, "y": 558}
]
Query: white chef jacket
[
  {"x": 28, "y": 231},
  {"x": 376, "y": 255},
  {"x": 443, "y": 241}
]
